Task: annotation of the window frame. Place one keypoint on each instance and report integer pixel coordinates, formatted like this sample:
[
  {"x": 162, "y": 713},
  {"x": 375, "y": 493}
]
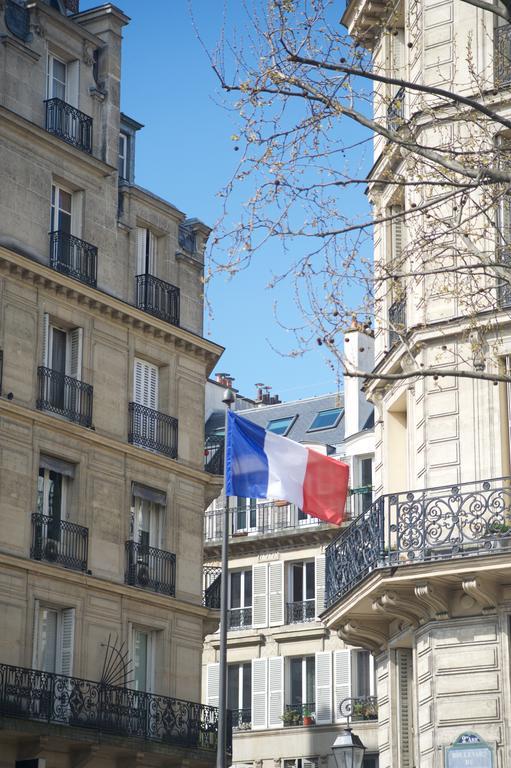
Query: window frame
[
  {"x": 123, "y": 159},
  {"x": 312, "y": 428},
  {"x": 287, "y": 429},
  {"x": 50, "y": 77},
  {"x": 288, "y": 680}
]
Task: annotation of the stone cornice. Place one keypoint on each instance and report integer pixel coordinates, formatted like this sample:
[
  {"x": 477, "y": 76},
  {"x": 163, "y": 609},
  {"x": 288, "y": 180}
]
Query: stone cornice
[
  {"x": 67, "y": 23},
  {"x": 109, "y": 306}
]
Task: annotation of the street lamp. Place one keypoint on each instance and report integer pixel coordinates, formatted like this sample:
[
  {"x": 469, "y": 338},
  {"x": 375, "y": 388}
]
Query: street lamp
[{"x": 348, "y": 750}]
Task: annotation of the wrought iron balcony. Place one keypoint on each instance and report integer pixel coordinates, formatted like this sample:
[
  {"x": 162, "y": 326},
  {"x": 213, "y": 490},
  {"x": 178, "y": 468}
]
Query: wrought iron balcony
[
  {"x": 48, "y": 698},
  {"x": 241, "y": 719},
  {"x": 294, "y": 714},
  {"x": 442, "y": 523},
  {"x": 396, "y": 110},
  {"x": 396, "y": 320},
  {"x": 150, "y": 568},
  {"x": 271, "y": 518},
  {"x": 502, "y": 55},
  {"x": 214, "y": 456},
  {"x": 60, "y": 542},
  {"x": 74, "y": 257},
  {"x": 158, "y": 298},
  {"x": 359, "y": 708},
  {"x": 300, "y": 611},
  {"x": 68, "y": 397},
  {"x": 212, "y": 586},
  {"x": 69, "y": 124},
  {"x": 152, "y": 430},
  {"x": 239, "y": 618}
]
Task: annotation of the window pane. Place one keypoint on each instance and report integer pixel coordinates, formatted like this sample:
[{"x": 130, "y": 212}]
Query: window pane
[
  {"x": 326, "y": 419},
  {"x": 233, "y": 677},
  {"x": 362, "y": 676},
  {"x": 236, "y": 590},
  {"x": 366, "y": 473},
  {"x": 48, "y": 639},
  {"x": 310, "y": 683},
  {"x": 309, "y": 581},
  {"x": 247, "y": 686},
  {"x": 297, "y": 582},
  {"x": 248, "y": 589},
  {"x": 280, "y": 426},
  {"x": 296, "y": 681},
  {"x": 140, "y": 660}
]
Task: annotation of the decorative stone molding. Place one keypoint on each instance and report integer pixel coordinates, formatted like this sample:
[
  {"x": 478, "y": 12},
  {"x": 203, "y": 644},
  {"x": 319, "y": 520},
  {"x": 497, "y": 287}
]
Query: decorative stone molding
[
  {"x": 365, "y": 635},
  {"x": 87, "y": 54},
  {"x": 435, "y": 600},
  {"x": 481, "y": 591},
  {"x": 392, "y": 604}
]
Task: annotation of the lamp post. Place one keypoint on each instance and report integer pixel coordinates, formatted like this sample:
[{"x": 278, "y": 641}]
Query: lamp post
[
  {"x": 348, "y": 748},
  {"x": 228, "y": 398}
]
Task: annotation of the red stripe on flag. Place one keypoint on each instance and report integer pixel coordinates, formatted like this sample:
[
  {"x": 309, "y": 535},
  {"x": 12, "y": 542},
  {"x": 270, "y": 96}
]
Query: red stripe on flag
[{"x": 325, "y": 488}]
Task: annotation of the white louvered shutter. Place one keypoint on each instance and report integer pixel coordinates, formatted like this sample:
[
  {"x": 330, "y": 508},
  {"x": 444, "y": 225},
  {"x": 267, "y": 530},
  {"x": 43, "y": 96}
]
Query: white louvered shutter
[
  {"x": 259, "y": 694},
  {"x": 275, "y": 691},
  {"x": 213, "y": 685},
  {"x": 75, "y": 344},
  {"x": 67, "y": 641},
  {"x": 46, "y": 340},
  {"x": 323, "y": 687},
  {"x": 397, "y": 234},
  {"x": 73, "y": 82},
  {"x": 404, "y": 671},
  {"x": 319, "y": 576},
  {"x": 276, "y": 593},
  {"x": 151, "y": 250},
  {"x": 35, "y": 636},
  {"x": 145, "y": 384},
  {"x": 141, "y": 240},
  {"x": 310, "y": 762},
  {"x": 342, "y": 681},
  {"x": 260, "y": 595}
]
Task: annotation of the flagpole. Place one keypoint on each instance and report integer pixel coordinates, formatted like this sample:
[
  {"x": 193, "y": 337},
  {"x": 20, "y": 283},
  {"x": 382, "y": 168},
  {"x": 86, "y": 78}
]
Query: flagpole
[{"x": 228, "y": 398}]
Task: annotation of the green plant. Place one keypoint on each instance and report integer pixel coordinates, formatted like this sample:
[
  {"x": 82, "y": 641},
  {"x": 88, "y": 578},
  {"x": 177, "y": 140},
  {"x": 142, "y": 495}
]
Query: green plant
[
  {"x": 498, "y": 528},
  {"x": 291, "y": 717}
]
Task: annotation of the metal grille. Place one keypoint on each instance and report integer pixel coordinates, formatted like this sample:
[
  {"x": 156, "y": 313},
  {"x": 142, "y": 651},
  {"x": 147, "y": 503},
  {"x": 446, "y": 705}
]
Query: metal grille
[
  {"x": 294, "y": 713},
  {"x": 239, "y": 618},
  {"x": 68, "y": 397},
  {"x": 159, "y": 298},
  {"x": 397, "y": 320},
  {"x": 241, "y": 719},
  {"x": 359, "y": 708},
  {"x": 71, "y": 701},
  {"x": 59, "y": 542},
  {"x": 74, "y": 257},
  {"x": 69, "y": 124},
  {"x": 502, "y": 55},
  {"x": 396, "y": 110},
  {"x": 298, "y": 612},
  {"x": 214, "y": 456},
  {"x": 153, "y": 430},
  {"x": 212, "y": 586},
  {"x": 150, "y": 568},
  {"x": 258, "y": 520}
]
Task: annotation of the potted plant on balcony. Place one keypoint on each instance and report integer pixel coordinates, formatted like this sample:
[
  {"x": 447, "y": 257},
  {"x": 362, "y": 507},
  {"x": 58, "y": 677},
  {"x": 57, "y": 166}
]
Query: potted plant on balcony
[
  {"x": 291, "y": 717},
  {"x": 500, "y": 533},
  {"x": 308, "y": 717}
]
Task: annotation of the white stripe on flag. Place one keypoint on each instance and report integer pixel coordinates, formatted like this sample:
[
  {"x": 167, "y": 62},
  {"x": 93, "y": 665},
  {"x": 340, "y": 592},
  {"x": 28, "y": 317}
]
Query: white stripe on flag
[{"x": 287, "y": 462}]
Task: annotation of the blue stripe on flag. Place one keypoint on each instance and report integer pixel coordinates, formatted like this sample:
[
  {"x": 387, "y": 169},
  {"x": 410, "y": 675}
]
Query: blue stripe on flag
[{"x": 246, "y": 465}]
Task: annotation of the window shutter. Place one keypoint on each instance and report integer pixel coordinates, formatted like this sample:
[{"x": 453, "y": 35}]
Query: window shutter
[
  {"x": 67, "y": 641},
  {"x": 152, "y": 385},
  {"x": 259, "y": 696},
  {"x": 404, "y": 671},
  {"x": 141, "y": 241},
  {"x": 310, "y": 762},
  {"x": 151, "y": 249},
  {"x": 46, "y": 340},
  {"x": 397, "y": 235},
  {"x": 145, "y": 384},
  {"x": 276, "y": 581},
  {"x": 323, "y": 687},
  {"x": 319, "y": 575},
  {"x": 76, "y": 214},
  {"x": 213, "y": 685},
  {"x": 35, "y": 636},
  {"x": 73, "y": 83},
  {"x": 75, "y": 342},
  {"x": 342, "y": 680},
  {"x": 275, "y": 691},
  {"x": 260, "y": 595}
]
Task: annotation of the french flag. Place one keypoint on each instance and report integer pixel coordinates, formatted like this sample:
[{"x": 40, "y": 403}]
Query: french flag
[{"x": 262, "y": 465}]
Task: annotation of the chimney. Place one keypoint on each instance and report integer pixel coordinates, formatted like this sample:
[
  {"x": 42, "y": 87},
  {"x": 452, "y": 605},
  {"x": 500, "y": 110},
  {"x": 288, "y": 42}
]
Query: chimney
[
  {"x": 225, "y": 379},
  {"x": 263, "y": 396},
  {"x": 359, "y": 354}
]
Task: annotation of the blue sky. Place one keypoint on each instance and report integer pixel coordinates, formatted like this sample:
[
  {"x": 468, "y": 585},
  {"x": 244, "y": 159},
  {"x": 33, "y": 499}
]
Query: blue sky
[{"x": 185, "y": 154}]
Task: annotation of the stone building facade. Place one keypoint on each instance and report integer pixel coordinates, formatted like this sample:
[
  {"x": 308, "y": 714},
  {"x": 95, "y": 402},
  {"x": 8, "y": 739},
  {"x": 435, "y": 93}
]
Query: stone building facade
[
  {"x": 102, "y": 377},
  {"x": 422, "y": 578}
]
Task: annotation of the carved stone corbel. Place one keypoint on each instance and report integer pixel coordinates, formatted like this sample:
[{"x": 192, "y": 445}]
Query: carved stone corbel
[
  {"x": 480, "y": 591},
  {"x": 435, "y": 600},
  {"x": 392, "y": 604},
  {"x": 365, "y": 635}
]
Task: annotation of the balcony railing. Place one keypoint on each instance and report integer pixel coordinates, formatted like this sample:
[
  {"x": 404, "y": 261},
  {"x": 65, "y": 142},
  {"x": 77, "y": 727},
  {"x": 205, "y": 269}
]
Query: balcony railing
[
  {"x": 212, "y": 585},
  {"x": 300, "y": 611},
  {"x": 49, "y": 698},
  {"x": 442, "y": 523},
  {"x": 502, "y": 54},
  {"x": 60, "y": 542},
  {"x": 359, "y": 708},
  {"x": 241, "y": 719},
  {"x": 294, "y": 714},
  {"x": 150, "y": 568},
  {"x": 152, "y": 430},
  {"x": 396, "y": 320},
  {"x": 68, "y": 397},
  {"x": 74, "y": 257},
  {"x": 239, "y": 618},
  {"x": 214, "y": 456},
  {"x": 157, "y": 297},
  {"x": 69, "y": 124},
  {"x": 396, "y": 110},
  {"x": 262, "y": 519}
]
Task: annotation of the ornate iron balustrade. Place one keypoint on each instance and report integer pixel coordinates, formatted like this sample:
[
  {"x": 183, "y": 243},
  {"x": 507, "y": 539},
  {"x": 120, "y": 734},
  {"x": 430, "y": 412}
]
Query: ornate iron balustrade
[
  {"x": 60, "y": 542},
  {"x": 257, "y": 520},
  {"x": 241, "y": 719},
  {"x": 359, "y": 708},
  {"x": 158, "y": 298},
  {"x": 441, "y": 523},
  {"x": 69, "y": 124},
  {"x": 294, "y": 714},
  {"x": 150, "y": 568},
  {"x": 74, "y": 257},
  {"x": 396, "y": 320},
  {"x": 212, "y": 585},
  {"x": 300, "y": 611},
  {"x": 396, "y": 110},
  {"x": 214, "y": 456},
  {"x": 186, "y": 239},
  {"x": 153, "y": 430},
  {"x": 46, "y": 697},
  {"x": 239, "y": 618},
  {"x": 502, "y": 55},
  {"x": 68, "y": 397}
]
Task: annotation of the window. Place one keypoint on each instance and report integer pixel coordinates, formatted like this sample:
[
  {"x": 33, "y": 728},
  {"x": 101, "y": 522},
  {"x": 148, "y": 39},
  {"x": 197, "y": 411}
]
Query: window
[
  {"x": 301, "y": 683},
  {"x": 146, "y": 251},
  {"x": 326, "y": 419},
  {"x": 123, "y": 155},
  {"x": 239, "y": 693},
  {"x": 57, "y": 79},
  {"x": 62, "y": 351},
  {"x": 302, "y": 604},
  {"x": 143, "y": 656},
  {"x": 301, "y": 762},
  {"x": 244, "y": 515},
  {"x": 240, "y": 599},
  {"x": 281, "y": 426},
  {"x": 53, "y": 639},
  {"x": 147, "y": 519},
  {"x": 61, "y": 210},
  {"x": 361, "y": 673}
]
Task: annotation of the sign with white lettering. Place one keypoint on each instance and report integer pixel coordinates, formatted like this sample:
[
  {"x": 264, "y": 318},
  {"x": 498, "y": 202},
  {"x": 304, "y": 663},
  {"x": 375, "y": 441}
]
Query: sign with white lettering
[{"x": 469, "y": 751}]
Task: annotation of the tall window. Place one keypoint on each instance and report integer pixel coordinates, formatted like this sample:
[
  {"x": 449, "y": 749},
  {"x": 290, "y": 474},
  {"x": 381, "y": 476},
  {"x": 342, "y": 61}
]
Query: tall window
[
  {"x": 146, "y": 251},
  {"x": 61, "y": 209},
  {"x": 53, "y": 639},
  {"x": 57, "y": 79},
  {"x": 143, "y": 659},
  {"x": 62, "y": 348},
  {"x": 302, "y": 681},
  {"x": 361, "y": 672},
  {"x": 302, "y": 592},
  {"x": 148, "y": 511},
  {"x": 240, "y": 599},
  {"x": 245, "y": 514},
  {"x": 239, "y": 692}
]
